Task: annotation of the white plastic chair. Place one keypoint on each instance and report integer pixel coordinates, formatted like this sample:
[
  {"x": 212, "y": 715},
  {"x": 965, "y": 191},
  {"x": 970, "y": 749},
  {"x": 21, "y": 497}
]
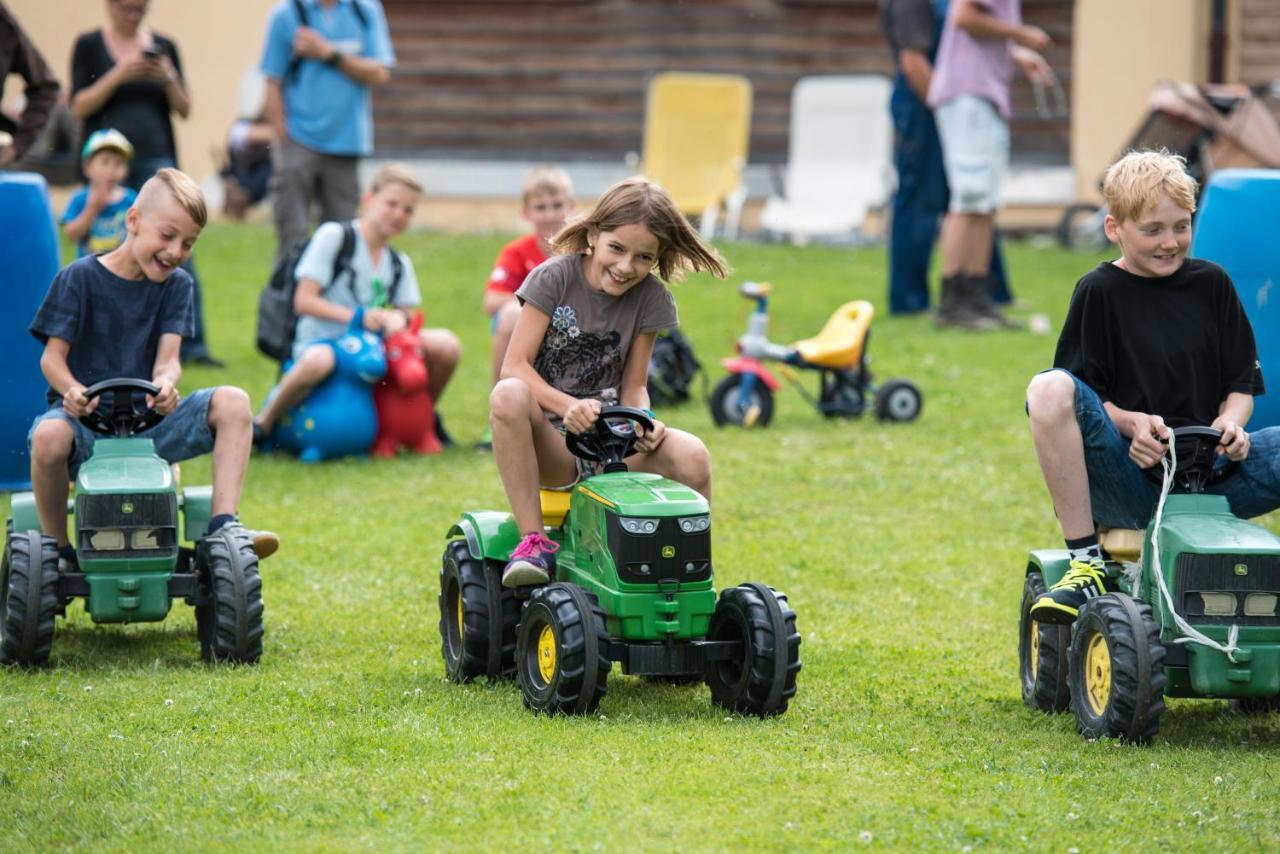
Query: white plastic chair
[{"x": 840, "y": 163}]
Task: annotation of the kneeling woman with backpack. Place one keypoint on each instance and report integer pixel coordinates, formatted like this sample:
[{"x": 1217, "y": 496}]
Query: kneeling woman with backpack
[{"x": 346, "y": 266}]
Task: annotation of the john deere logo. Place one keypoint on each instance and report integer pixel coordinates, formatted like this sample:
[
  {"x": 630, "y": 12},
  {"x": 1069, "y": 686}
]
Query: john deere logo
[
  {"x": 668, "y": 551},
  {"x": 1242, "y": 569},
  {"x": 126, "y": 507}
]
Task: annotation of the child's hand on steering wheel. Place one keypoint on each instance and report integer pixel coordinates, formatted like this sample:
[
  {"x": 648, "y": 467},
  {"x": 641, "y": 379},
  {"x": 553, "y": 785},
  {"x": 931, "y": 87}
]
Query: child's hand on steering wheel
[
  {"x": 579, "y": 417},
  {"x": 1235, "y": 441},
  {"x": 75, "y": 404},
  {"x": 1150, "y": 439},
  {"x": 166, "y": 400},
  {"x": 648, "y": 441}
]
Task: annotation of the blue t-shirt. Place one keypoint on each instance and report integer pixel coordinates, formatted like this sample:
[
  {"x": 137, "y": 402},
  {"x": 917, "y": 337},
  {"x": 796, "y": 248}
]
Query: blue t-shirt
[
  {"x": 325, "y": 110},
  {"x": 112, "y": 324},
  {"x": 107, "y": 231}
]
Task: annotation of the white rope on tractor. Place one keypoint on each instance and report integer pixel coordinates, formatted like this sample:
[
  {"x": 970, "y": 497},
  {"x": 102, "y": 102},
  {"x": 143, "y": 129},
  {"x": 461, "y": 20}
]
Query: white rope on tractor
[{"x": 1189, "y": 632}]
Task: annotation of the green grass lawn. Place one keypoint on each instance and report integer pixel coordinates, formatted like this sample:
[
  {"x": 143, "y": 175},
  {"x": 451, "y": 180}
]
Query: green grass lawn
[{"x": 901, "y": 548}]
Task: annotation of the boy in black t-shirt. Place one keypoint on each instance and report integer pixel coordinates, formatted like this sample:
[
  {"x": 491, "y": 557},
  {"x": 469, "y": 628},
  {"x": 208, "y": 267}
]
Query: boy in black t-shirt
[
  {"x": 1152, "y": 340},
  {"x": 124, "y": 314}
]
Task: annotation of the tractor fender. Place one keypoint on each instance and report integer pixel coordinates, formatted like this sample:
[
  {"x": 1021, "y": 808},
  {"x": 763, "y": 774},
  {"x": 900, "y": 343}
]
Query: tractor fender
[
  {"x": 489, "y": 534},
  {"x": 22, "y": 510},
  {"x": 748, "y": 365},
  {"x": 1050, "y": 563},
  {"x": 197, "y": 502}
]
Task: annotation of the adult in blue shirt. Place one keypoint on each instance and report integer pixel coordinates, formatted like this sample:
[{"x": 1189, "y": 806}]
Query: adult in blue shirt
[
  {"x": 913, "y": 29},
  {"x": 321, "y": 59}
]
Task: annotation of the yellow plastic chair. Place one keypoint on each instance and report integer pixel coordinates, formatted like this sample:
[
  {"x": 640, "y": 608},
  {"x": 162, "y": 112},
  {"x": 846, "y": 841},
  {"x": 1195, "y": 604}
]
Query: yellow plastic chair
[{"x": 696, "y": 131}]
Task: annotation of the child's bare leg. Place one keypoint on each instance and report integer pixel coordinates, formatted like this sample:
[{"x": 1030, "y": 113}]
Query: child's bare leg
[
  {"x": 507, "y": 314},
  {"x": 311, "y": 369},
  {"x": 231, "y": 420},
  {"x": 1060, "y": 448},
  {"x": 444, "y": 351},
  {"x": 50, "y": 449},
  {"x": 681, "y": 457},
  {"x": 525, "y": 448}
]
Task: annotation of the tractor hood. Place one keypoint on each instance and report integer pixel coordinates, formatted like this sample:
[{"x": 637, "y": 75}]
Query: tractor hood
[
  {"x": 1205, "y": 524},
  {"x": 642, "y": 494},
  {"x": 124, "y": 465}
]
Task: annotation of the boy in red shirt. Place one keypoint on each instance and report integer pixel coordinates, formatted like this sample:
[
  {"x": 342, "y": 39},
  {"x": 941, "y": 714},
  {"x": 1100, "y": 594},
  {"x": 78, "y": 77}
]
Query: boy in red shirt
[{"x": 547, "y": 198}]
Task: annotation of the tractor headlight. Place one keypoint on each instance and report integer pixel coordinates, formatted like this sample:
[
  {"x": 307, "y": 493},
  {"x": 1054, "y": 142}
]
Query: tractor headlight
[
  {"x": 695, "y": 524},
  {"x": 107, "y": 540},
  {"x": 1219, "y": 604},
  {"x": 1260, "y": 604},
  {"x": 146, "y": 538},
  {"x": 639, "y": 526}
]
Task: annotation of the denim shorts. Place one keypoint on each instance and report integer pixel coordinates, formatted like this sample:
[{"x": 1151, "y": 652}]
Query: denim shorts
[
  {"x": 975, "y": 150},
  {"x": 1124, "y": 497},
  {"x": 181, "y": 435}
]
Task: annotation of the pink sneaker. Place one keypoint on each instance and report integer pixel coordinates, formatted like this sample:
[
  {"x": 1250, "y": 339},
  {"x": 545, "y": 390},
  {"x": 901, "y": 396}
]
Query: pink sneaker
[{"x": 533, "y": 562}]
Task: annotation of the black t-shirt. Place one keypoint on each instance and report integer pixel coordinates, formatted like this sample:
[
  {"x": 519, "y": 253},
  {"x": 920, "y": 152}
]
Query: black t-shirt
[
  {"x": 112, "y": 324},
  {"x": 908, "y": 24},
  {"x": 138, "y": 109},
  {"x": 1174, "y": 346}
]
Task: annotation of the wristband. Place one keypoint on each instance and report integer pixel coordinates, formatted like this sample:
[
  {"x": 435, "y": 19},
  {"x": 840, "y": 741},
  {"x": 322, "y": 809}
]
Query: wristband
[
  {"x": 334, "y": 59},
  {"x": 649, "y": 412}
]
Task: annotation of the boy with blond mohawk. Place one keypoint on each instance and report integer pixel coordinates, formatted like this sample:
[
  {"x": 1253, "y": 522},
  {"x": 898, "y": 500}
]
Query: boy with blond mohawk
[
  {"x": 124, "y": 314},
  {"x": 1152, "y": 340}
]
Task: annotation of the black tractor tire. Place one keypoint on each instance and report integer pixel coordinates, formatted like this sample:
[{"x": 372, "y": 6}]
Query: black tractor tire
[
  {"x": 229, "y": 621},
  {"x": 898, "y": 400},
  {"x": 1117, "y": 670},
  {"x": 562, "y": 646},
  {"x": 30, "y": 598},
  {"x": 478, "y": 618},
  {"x": 1042, "y": 655},
  {"x": 724, "y": 403},
  {"x": 1255, "y": 705},
  {"x": 763, "y": 680},
  {"x": 1074, "y": 232}
]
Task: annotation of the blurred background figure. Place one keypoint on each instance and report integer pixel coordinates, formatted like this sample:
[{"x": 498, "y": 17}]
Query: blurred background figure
[
  {"x": 19, "y": 56},
  {"x": 247, "y": 171}
]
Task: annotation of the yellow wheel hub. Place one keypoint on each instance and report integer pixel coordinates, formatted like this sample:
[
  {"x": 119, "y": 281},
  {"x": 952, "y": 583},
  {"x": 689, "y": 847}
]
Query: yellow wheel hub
[
  {"x": 1034, "y": 645},
  {"x": 1097, "y": 674},
  {"x": 547, "y": 653},
  {"x": 459, "y": 595}
]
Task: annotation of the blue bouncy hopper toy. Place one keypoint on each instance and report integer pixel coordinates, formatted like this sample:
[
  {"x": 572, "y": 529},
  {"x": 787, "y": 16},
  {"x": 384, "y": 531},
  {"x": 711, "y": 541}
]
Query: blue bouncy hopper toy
[{"x": 338, "y": 418}]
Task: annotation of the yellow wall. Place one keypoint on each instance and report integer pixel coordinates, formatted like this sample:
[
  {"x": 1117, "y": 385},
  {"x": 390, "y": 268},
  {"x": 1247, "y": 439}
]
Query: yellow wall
[
  {"x": 1120, "y": 50},
  {"x": 217, "y": 40}
]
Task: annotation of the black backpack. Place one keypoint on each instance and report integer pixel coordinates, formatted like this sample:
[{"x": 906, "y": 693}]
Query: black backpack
[
  {"x": 672, "y": 367},
  {"x": 277, "y": 321}
]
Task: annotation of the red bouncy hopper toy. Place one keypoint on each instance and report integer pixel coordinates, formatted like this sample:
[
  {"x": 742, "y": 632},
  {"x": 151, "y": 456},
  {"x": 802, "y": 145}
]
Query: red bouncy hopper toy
[{"x": 406, "y": 413}]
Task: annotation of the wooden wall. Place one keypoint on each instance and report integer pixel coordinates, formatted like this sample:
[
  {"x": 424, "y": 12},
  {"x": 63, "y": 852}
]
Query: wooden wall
[{"x": 565, "y": 79}]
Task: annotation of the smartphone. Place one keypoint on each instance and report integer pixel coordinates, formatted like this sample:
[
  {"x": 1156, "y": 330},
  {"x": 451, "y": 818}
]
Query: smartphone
[{"x": 152, "y": 51}]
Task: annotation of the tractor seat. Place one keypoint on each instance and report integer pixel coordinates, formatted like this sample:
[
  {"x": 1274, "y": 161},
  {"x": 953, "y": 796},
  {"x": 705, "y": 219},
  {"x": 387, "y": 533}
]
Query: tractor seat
[
  {"x": 1123, "y": 544},
  {"x": 555, "y": 506},
  {"x": 839, "y": 344}
]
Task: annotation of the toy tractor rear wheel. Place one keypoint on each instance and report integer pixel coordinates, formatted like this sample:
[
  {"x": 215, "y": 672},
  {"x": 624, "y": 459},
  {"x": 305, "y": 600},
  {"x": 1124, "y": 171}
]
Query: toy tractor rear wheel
[
  {"x": 29, "y": 594},
  {"x": 728, "y": 407},
  {"x": 229, "y": 622},
  {"x": 763, "y": 679},
  {"x": 1042, "y": 655},
  {"x": 898, "y": 400},
  {"x": 478, "y": 618},
  {"x": 1117, "y": 669},
  {"x": 562, "y": 647}
]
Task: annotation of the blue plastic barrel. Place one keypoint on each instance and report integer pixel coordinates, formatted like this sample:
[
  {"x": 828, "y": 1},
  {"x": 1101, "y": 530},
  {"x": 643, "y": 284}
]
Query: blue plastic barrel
[
  {"x": 28, "y": 263},
  {"x": 1237, "y": 229}
]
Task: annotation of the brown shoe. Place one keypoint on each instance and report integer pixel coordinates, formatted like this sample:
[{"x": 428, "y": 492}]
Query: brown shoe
[
  {"x": 956, "y": 308},
  {"x": 977, "y": 292}
]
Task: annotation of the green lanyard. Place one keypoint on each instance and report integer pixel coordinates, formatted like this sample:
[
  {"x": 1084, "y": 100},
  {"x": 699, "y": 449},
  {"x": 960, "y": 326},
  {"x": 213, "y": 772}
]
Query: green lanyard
[{"x": 379, "y": 293}]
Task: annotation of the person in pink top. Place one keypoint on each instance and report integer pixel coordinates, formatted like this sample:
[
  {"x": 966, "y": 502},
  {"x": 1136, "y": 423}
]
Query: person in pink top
[{"x": 982, "y": 41}]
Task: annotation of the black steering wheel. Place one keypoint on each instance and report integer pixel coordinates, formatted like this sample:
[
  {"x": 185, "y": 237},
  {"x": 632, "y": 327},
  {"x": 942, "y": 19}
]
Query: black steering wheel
[
  {"x": 1197, "y": 450},
  {"x": 612, "y": 438},
  {"x": 128, "y": 413}
]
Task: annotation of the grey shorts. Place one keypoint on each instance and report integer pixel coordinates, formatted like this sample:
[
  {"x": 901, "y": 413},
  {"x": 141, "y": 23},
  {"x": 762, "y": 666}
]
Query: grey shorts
[
  {"x": 975, "y": 150},
  {"x": 181, "y": 435}
]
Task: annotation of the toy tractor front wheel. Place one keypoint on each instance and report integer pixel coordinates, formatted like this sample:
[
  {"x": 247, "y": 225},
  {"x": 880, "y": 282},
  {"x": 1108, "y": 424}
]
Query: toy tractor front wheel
[
  {"x": 763, "y": 679},
  {"x": 1042, "y": 655},
  {"x": 29, "y": 593},
  {"x": 229, "y": 621},
  {"x": 729, "y": 406},
  {"x": 1117, "y": 669},
  {"x": 562, "y": 657},
  {"x": 478, "y": 618}
]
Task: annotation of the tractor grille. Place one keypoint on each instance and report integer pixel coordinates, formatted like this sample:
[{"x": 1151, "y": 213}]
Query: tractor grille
[
  {"x": 152, "y": 517},
  {"x": 1223, "y": 589},
  {"x": 641, "y": 560}
]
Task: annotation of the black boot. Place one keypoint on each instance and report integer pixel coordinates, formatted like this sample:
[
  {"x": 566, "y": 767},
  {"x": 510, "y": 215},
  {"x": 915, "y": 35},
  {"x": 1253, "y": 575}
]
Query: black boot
[
  {"x": 978, "y": 294},
  {"x": 956, "y": 308}
]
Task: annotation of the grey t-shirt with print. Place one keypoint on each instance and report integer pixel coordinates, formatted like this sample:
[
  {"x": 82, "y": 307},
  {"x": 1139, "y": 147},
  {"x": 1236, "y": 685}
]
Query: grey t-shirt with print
[
  {"x": 590, "y": 333},
  {"x": 371, "y": 284}
]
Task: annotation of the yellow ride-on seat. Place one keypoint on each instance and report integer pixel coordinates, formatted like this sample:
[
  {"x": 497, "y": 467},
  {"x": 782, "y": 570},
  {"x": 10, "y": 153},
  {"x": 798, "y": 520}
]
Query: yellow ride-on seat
[
  {"x": 555, "y": 506},
  {"x": 696, "y": 130},
  {"x": 1123, "y": 544},
  {"x": 839, "y": 344}
]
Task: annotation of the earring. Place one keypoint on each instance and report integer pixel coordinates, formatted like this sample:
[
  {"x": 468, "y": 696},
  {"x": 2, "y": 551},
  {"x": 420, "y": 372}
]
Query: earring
[{"x": 591, "y": 248}]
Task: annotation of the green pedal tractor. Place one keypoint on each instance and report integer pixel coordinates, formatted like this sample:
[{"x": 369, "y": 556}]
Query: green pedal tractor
[
  {"x": 1196, "y": 615},
  {"x": 131, "y": 566},
  {"x": 633, "y": 585}
]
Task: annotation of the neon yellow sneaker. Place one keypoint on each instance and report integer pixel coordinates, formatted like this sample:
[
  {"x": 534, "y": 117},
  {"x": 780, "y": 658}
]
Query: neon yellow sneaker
[{"x": 1084, "y": 580}]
